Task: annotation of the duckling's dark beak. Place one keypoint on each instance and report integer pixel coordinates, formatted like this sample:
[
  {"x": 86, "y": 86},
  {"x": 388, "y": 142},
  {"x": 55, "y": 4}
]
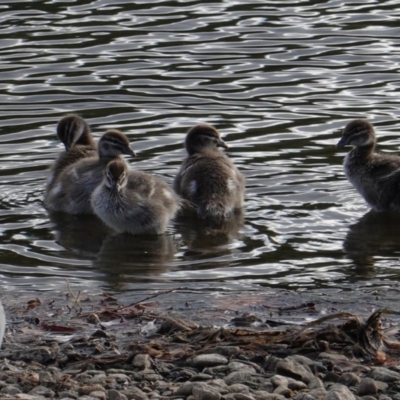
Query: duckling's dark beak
[
  {"x": 342, "y": 142},
  {"x": 129, "y": 152},
  {"x": 221, "y": 143}
]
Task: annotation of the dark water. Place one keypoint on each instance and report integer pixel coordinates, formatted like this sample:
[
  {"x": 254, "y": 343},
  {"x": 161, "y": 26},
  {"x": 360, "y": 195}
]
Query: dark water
[{"x": 276, "y": 78}]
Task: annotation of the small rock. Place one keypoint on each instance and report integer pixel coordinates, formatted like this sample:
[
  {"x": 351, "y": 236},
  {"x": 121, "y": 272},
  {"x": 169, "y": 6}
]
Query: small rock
[
  {"x": 134, "y": 393},
  {"x": 291, "y": 368},
  {"x": 142, "y": 361},
  {"x": 349, "y": 379},
  {"x": 367, "y": 387},
  {"x": 238, "y": 366},
  {"x": 242, "y": 396},
  {"x": 10, "y": 390},
  {"x": 208, "y": 360},
  {"x": 85, "y": 390},
  {"x": 42, "y": 391},
  {"x": 238, "y": 377},
  {"x": 201, "y": 377},
  {"x": 120, "y": 378},
  {"x": 261, "y": 395},
  {"x": 187, "y": 388},
  {"x": 25, "y": 396},
  {"x": 279, "y": 380},
  {"x": 384, "y": 375},
  {"x": 205, "y": 393},
  {"x": 339, "y": 392},
  {"x": 239, "y": 388},
  {"x": 98, "y": 394}
]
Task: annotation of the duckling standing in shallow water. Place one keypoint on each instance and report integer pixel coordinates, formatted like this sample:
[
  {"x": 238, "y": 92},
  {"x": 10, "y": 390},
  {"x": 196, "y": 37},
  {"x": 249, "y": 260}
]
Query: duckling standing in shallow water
[
  {"x": 375, "y": 176},
  {"x": 207, "y": 177},
  {"x": 72, "y": 190},
  {"x": 133, "y": 201},
  {"x": 74, "y": 132}
]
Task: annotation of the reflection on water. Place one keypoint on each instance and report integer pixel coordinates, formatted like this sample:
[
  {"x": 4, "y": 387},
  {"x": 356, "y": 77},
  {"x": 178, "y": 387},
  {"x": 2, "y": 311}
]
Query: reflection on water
[
  {"x": 83, "y": 234},
  {"x": 125, "y": 258},
  {"x": 374, "y": 235},
  {"x": 277, "y": 80},
  {"x": 205, "y": 239}
]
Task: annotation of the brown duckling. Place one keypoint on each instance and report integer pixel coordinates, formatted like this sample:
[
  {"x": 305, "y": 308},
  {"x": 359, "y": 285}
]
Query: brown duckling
[
  {"x": 375, "y": 176},
  {"x": 74, "y": 132},
  {"x": 207, "y": 177},
  {"x": 71, "y": 192},
  {"x": 133, "y": 201}
]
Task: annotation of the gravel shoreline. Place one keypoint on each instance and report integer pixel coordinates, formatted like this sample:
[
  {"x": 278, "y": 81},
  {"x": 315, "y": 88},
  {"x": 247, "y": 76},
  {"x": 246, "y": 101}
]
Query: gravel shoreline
[{"x": 98, "y": 348}]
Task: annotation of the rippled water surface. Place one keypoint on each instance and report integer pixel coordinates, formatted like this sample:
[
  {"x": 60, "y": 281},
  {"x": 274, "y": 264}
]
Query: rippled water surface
[{"x": 276, "y": 78}]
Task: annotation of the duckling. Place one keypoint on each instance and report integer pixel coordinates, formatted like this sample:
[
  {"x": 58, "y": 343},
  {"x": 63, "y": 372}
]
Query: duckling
[
  {"x": 375, "y": 176},
  {"x": 207, "y": 177},
  {"x": 72, "y": 190},
  {"x": 74, "y": 132},
  {"x": 132, "y": 201}
]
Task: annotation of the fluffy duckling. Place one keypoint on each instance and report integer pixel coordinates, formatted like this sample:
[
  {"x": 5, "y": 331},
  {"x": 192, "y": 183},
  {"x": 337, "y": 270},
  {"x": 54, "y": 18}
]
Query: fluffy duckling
[
  {"x": 133, "y": 201},
  {"x": 72, "y": 190},
  {"x": 74, "y": 132},
  {"x": 375, "y": 176},
  {"x": 207, "y": 177}
]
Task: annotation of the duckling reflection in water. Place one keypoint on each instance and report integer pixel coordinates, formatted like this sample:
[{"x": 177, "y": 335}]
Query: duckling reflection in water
[
  {"x": 207, "y": 177},
  {"x": 82, "y": 234},
  {"x": 133, "y": 201},
  {"x": 203, "y": 238},
  {"x": 375, "y": 234},
  {"x": 375, "y": 176},
  {"x": 72, "y": 190},
  {"x": 125, "y": 258},
  {"x": 74, "y": 132}
]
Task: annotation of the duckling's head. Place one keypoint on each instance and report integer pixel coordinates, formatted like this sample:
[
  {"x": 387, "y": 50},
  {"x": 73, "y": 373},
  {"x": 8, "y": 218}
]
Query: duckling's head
[
  {"x": 358, "y": 133},
  {"x": 72, "y": 129},
  {"x": 113, "y": 143},
  {"x": 116, "y": 175},
  {"x": 201, "y": 137}
]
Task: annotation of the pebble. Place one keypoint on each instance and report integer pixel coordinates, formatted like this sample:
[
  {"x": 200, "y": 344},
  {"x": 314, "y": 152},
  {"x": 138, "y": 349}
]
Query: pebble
[
  {"x": 208, "y": 360},
  {"x": 339, "y": 392},
  {"x": 384, "y": 374},
  {"x": 366, "y": 387}
]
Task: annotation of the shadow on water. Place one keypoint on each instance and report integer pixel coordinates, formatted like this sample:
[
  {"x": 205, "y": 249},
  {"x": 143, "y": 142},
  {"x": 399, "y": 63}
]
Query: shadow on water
[{"x": 375, "y": 234}]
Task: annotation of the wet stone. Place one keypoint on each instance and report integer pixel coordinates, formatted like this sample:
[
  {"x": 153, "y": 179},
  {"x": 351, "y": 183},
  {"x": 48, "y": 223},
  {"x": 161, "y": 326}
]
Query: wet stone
[
  {"x": 384, "y": 374},
  {"x": 291, "y": 368},
  {"x": 238, "y": 366},
  {"x": 349, "y": 379},
  {"x": 366, "y": 387},
  {"x": 98, "y": 394},
  {"x": 339, "y": 392},
  {"x": 205, "y": 393},
  {"x": 208, "y": 360},
  {"x": 238, "y": 377},
  {"x": 239, "y": 388},
  {"x": 42, "y": 391}
]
